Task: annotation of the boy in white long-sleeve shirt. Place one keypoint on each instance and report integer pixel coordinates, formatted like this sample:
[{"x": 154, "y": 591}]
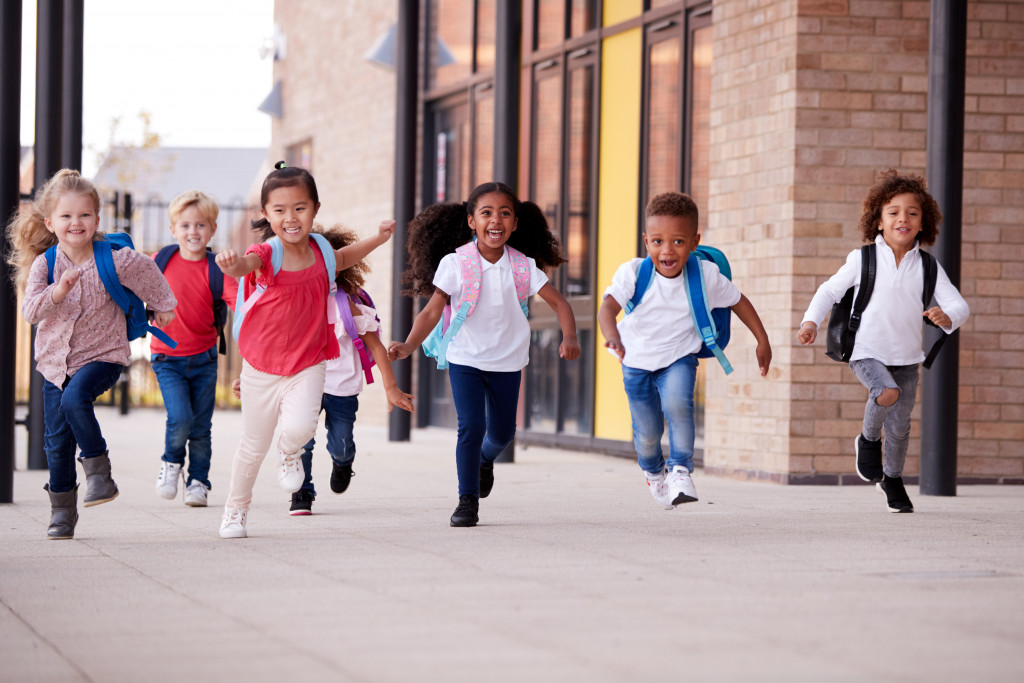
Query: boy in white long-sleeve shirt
[{"x": 898, "y": 216}]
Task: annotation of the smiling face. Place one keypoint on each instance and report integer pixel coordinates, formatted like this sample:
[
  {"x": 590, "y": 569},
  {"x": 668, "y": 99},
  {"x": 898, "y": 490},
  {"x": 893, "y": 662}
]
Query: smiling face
[
  {"x": 291, "y": 211},
  {"x": 74, "y": 220},
  {"x": 193, "y": 230},
  {"x": 901, "y": 221},
  {"x": 670, "y": 240},
  {"x": 493, "y": 221}
]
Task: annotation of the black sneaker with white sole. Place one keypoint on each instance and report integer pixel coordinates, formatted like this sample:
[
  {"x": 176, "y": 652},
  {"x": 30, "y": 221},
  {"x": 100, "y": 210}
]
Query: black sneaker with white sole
[
  {"x": 341, "y": 475},
  {"x": 896, "y": 497},
  {"x": 869, "y": 459},
  {"x": 302, "y": 503}
]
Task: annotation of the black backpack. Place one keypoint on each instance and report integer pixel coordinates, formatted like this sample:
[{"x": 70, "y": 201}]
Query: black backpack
[
  {"x": 220, "y": 307},
  {"x": 844, "y": 321}
]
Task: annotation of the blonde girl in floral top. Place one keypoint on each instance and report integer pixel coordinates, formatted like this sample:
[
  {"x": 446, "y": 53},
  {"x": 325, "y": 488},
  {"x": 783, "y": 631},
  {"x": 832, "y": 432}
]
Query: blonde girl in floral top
[{"x": 81, "y": 342}]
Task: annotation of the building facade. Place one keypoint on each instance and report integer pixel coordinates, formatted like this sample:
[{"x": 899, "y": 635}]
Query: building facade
[{"x": 775, "y": 115}]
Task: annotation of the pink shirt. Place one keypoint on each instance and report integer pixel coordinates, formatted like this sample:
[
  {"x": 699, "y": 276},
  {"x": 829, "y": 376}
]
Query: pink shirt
[
  {"x": 87, "y": 326},
  {"x": 192, "y": 326},
  {"x": 287, "y": 330}
]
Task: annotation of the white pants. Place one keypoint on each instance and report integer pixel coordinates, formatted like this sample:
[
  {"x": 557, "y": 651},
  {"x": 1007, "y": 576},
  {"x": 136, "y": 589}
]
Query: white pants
[{"x": 290, "y": 404}]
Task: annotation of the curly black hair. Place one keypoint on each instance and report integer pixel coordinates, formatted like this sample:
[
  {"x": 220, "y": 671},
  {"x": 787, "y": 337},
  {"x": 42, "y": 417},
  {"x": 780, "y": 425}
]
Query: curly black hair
[
  {"x": 440, "y": 229},
  {"x": 351, "y": 279},
  {"x": 891, "y": 183}
]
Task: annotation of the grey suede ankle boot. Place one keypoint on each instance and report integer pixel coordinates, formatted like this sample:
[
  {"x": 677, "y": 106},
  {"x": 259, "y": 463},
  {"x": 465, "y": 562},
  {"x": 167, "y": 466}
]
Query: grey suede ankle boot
[
  {"x": 63, "y": 513},
  {"x": 99, "y": 487}
]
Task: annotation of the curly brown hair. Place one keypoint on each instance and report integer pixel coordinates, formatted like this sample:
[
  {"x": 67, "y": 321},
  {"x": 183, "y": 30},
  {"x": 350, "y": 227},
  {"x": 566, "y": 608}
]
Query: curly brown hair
[
  {"x": 891, "y": 183},
  {"x": 351, "y": 279},
  {"x": 672, "y": 204},
  {"x": 440, "y": 229}
]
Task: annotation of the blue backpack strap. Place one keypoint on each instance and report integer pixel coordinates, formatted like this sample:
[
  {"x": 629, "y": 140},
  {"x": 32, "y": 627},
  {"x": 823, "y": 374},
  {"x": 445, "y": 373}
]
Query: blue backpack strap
[
  {"x": 163, "y": 257},
  {"x": 331, "y": 265},
  {"x": 243, "y": 305},
  {"x": 51, "y": 258},
  {"x": 700, "y": 310},
  {"x": 102, "y": 251},
  {"x": 644, "y": 276},
  {"x": 220, "y": 308}
]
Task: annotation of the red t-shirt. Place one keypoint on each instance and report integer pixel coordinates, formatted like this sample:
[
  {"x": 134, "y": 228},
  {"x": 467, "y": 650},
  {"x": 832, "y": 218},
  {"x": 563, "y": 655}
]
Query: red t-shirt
[
  {"x": 192, "y": 326},
  {"x": 287, "y": 330}
]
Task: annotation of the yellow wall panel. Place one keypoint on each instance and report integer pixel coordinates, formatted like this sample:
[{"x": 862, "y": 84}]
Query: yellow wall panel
[
  {"x": 616, "y": 11},
  {"x": 618, "y": 193}
]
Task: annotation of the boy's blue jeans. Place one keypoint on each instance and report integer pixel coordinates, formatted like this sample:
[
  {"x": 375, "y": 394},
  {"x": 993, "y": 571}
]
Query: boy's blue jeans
[
  {"x": 70, "y": 420},
  {"x": 486, "y": 404},
  {"x": 660, "y": 396},
  {"x": 340, "y": 419},
  {"x": 189, "y": 387}
]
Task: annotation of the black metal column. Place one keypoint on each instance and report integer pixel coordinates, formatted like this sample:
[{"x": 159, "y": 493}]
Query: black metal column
[
  {"x": 49, "y": 66},
  {"x": 406, "y": 68},
  {"x": 945, "y": 172},
  {"x": 10, "y": 161},
  {"x": 71, "y": 109}
]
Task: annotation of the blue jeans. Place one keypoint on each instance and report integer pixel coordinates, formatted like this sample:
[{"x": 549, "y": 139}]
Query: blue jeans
[
  {"x": 895, "y": 419},
  {"x": 189, "y": 387},
  {"x": 486, "y": 404},
  {"x": 660, "y": 396},
  {"x": 70, "y": 420},
  {"x": 340, "y": 419}
]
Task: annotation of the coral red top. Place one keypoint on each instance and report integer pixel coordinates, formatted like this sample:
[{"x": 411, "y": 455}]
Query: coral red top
[{"x": 287, "y": 331}]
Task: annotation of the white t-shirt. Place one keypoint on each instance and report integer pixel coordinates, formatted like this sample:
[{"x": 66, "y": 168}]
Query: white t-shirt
[
  {"x": 660, "y": 329},
  {"x": 345, "y": 373},
  {"x": 891, "y": 328},
  {"x": 496, "y": 337}
]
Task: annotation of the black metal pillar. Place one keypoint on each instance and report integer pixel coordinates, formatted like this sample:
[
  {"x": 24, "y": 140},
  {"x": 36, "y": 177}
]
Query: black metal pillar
[
  {"x": 945, "y": 172},
  {"x": 71, "y": 110},
  {"x": 406, "y": 68},
  {"x": 49, "y": 66},
  {"x": 10, "y": 163}
]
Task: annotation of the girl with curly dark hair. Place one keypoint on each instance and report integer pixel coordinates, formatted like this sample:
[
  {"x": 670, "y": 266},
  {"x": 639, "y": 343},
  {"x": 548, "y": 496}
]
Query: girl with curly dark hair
[
  {"x": 484, "y": 258},
  {"x": 899, "y": 215}
]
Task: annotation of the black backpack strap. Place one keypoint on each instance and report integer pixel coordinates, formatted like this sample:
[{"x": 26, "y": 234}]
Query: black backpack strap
[
  {"x": 220, "y": 313},
  {"x": 931, "y": 274},
  {"x": 867, "y": 284},
  {"x": 164, "y": 256}
]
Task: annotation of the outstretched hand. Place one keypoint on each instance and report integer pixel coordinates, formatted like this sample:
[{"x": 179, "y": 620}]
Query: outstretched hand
[
  {"x": 385, "y": 230},
  {"x": 227, "y": 260}
]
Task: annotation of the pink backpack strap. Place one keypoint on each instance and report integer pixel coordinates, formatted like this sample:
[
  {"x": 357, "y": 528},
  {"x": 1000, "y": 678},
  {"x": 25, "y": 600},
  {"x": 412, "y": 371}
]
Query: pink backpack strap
[
  {"x": 520, "y": 273},
  {"x": 472, "y": 275}
]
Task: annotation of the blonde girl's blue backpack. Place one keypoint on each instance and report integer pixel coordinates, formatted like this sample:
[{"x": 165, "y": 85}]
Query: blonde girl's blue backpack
[
  {"x": 712, "y": 324},
  {"x": 243, "y": 305}
]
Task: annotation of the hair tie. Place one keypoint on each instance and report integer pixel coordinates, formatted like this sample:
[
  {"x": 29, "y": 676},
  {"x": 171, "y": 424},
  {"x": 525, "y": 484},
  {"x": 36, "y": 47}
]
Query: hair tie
[{"x": 279, "y": 165}]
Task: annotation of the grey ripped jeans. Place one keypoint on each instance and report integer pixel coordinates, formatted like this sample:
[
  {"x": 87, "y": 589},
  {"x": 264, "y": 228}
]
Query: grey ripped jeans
[{"x": 896, "y": 418}]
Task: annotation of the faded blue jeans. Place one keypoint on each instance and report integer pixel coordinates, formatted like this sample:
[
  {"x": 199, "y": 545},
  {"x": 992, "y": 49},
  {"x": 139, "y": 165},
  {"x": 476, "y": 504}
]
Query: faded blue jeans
[
  {"x": 189, "y": 387},
  {"x": 70, "y": 419},
  {"x": 895, "y": 419},
  {"x": 660, "y": 396}
]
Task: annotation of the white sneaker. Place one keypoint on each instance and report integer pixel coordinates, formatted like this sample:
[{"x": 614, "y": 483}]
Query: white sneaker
[
  {"x": 290, "y": 475},
  {"x": 659, "y": 489},
  {"x": 167, "y": 480},
  {"x": 195, "y": 494},
  {"x": 232, "y": 525},
  {"x": 680, "y": 486}
]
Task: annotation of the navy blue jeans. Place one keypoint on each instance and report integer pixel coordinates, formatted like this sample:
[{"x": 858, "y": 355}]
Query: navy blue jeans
[
  {"x": 189, "y": 387},
  {"x": 486, "y": 404},
  {"x": 660, "y": 396},
  {"x": 340, "y": 419},
  {"x": 70, "y": 420}
]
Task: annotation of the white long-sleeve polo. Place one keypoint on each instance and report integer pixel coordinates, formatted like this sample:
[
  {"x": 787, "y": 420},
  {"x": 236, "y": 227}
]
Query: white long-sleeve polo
[{"x": 891, "y": 328}]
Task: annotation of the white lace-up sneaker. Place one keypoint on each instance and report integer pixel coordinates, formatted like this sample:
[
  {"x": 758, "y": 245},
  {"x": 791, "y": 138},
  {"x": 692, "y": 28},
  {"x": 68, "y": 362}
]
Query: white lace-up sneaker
[
  {"x": 680, "y": 486},
  {"x": 659, "y": 489},
  {"x": 232, "y": 525},
  {"x": 195, "y": 494},
  {"x": 167, "y": 480},
  {"x": 290, "y": 475}
]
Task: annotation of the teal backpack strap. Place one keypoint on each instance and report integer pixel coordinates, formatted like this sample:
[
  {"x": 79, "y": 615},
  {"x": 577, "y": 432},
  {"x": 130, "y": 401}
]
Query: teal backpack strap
[
  {"x": 243, "y": 305},
  {"x": 701, "y": 312},
  {"x": 644, "y": 277}
]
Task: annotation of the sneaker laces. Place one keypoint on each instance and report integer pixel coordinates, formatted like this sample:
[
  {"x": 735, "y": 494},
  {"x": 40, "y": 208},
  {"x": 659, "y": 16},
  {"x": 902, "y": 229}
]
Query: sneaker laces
[
  {"x": 234, "y": 516},
  {"x": 291, "y": 463},
  {"x": 165, "y": 472}
]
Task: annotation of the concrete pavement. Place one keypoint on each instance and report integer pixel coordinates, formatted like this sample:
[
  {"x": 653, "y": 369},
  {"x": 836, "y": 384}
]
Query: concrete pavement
[{"x": 574, "y": 574}]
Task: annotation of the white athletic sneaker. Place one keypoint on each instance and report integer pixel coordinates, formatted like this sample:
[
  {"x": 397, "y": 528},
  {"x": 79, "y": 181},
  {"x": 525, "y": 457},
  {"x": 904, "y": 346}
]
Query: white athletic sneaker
[
  {"x": 195, "y": 494},
  {"x": 659, "y": 489},
  {"x": 167, "y": 480},
  {"x": 680, "y": 486},
  {"x": 290, "y": 475},
  {"x": 232, "y": 525}
]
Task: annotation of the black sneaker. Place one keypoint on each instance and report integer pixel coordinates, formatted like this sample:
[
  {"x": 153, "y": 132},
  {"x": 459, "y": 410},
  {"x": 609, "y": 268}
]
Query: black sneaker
[
  {"x": 869, "y": 459},
  {"x": 466, "y": 514},
  {"x": 302, "y": 503},
  {"x": 486, "y": 478},
  {"x": 341, "y": 475},
  {"x": 895, "y": 494}
]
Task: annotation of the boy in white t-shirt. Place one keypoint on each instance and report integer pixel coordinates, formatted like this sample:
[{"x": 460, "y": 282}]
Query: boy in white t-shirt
[{"x": 657, "y": 343}]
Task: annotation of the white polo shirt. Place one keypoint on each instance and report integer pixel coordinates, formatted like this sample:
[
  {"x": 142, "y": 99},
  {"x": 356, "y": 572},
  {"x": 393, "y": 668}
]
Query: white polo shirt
[
  {"x": 496, "y": 337},
  {"x": 891, "y": 328},
  {"x": 660, "y": 329}
]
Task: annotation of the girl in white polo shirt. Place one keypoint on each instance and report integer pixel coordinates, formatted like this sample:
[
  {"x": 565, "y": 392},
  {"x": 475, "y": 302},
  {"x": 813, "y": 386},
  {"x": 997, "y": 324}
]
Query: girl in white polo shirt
[
  {"x": 898, "y": 216},
  {"x": 502, "y": 243}
]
